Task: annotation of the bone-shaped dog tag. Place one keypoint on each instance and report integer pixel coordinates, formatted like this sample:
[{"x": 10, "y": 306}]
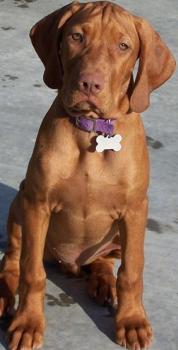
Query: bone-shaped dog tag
[{"x": 106, "y": 142}]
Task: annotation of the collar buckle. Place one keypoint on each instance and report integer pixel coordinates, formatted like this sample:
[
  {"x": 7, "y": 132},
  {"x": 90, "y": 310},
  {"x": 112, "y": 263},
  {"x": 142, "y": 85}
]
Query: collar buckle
[
  {"x": 77, "y": 121},
  {"x": 94, "y": 125}
]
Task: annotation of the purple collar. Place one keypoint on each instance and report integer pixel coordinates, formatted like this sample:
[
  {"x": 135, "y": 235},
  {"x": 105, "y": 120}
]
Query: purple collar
[{"x": 104, "y": 126}]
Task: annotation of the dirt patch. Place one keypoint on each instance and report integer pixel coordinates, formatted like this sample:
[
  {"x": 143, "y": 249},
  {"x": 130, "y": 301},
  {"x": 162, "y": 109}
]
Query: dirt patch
[
  {"x": 154, "y": 225},
  {"x": 154, "y": 143},
  {"x": 63, "y": 300},
  {"x": 37, "y": 85},
  {"x": 11, "y": 77},
  {"x": 7, "y": 28},
  {"x": 23, "y": 3}
]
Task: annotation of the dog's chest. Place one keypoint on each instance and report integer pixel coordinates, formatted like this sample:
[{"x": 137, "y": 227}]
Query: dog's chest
[
  {"x": 96, "y": 183},
  {"x": 86, "y": 224}
]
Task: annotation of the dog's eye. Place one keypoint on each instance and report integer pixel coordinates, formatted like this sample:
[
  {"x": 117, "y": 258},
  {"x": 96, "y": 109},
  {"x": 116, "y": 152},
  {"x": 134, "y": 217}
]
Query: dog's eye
[
  {"x": 123, "y": 46},
  {"x": 77, "y": 37}
]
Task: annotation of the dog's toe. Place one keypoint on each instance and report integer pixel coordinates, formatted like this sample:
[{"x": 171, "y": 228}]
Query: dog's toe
[
  {"x": 26, "y": 332},
  {"x": 102, "y": 288},
  {"x": 134, "y": 333}
]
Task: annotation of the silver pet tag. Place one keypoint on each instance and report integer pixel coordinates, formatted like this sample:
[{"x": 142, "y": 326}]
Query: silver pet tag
[{"x": 108, "y": 142}]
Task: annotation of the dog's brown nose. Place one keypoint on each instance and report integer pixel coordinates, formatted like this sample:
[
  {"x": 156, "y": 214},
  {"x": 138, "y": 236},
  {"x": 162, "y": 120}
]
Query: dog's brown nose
[{"x": 91, "y": 83}]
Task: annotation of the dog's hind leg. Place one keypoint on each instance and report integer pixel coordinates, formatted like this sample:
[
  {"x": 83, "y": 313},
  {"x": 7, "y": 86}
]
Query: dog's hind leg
[
  {"x": 9, "y": 266},
  {"x": 102, "y": 282}
]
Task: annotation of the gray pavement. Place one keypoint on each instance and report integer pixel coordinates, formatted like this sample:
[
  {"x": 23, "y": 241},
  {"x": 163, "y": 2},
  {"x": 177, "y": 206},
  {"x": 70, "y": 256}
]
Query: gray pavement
[{"x": 74, "y": 321}]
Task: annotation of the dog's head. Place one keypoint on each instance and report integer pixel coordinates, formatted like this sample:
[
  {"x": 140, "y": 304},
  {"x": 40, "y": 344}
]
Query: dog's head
[{"x": 89, "y": 51}]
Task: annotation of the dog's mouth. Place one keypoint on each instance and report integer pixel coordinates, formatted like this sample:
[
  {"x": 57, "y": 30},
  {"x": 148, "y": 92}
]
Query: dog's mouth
[
  {"x": 79, "y": 105},
  {"x": 86, "y": 108}
]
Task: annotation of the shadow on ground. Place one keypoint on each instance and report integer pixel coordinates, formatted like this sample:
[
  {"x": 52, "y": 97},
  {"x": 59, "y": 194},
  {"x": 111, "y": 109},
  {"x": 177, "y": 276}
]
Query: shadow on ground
[
  {"x": 75, "y": 291},
  {"x": 4, "y": 324},
  {"x": 7, "y": 194},
  {"x": 72, "y": 290}
]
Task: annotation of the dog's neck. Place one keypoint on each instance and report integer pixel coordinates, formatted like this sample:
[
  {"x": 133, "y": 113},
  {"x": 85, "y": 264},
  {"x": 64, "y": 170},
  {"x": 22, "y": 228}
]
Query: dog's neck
[{"x": 86, "y": 140}]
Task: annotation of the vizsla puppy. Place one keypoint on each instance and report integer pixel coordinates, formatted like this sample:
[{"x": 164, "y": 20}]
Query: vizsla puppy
[{"x": 80, "y": 204}]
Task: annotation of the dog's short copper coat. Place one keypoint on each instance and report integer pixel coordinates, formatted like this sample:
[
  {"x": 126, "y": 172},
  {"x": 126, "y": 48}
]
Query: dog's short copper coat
[{"x": 76, "y": 205}]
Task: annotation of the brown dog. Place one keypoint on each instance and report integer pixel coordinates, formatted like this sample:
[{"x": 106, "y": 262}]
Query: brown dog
[{"x": 76, "y": 204}]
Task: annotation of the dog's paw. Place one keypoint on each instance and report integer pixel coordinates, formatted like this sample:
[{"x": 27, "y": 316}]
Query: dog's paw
[
  {"x": 26, "y": 331},
  {"x": 102, "y": 288},
  {"x": 134, "y": 333}
]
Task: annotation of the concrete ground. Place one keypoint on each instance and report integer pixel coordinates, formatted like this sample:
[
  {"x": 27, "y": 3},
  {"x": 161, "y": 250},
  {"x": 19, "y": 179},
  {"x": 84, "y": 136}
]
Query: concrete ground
[{"x": 74, "y": 321}]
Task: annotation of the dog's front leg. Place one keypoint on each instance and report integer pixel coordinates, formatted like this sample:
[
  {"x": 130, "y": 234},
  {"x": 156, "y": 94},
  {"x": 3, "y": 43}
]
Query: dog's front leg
[
  {"x": 133, "y": 329},
  {"x": 27, "y": 328}
]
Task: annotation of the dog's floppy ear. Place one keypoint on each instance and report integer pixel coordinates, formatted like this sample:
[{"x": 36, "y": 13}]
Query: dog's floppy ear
[
  {"x": 44, "y": 36},
  {"x": 156, "y": 65}
]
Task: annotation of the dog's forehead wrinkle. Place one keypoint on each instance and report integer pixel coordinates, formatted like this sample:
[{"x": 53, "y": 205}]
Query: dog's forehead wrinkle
[
  {"x": 90, "y": 10},
  {"x": 106, "y": 16},
  {"x": 106, "y": 13},
  {"x": 125, "y": 20},
  {"x": 94, "y": 16}
]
